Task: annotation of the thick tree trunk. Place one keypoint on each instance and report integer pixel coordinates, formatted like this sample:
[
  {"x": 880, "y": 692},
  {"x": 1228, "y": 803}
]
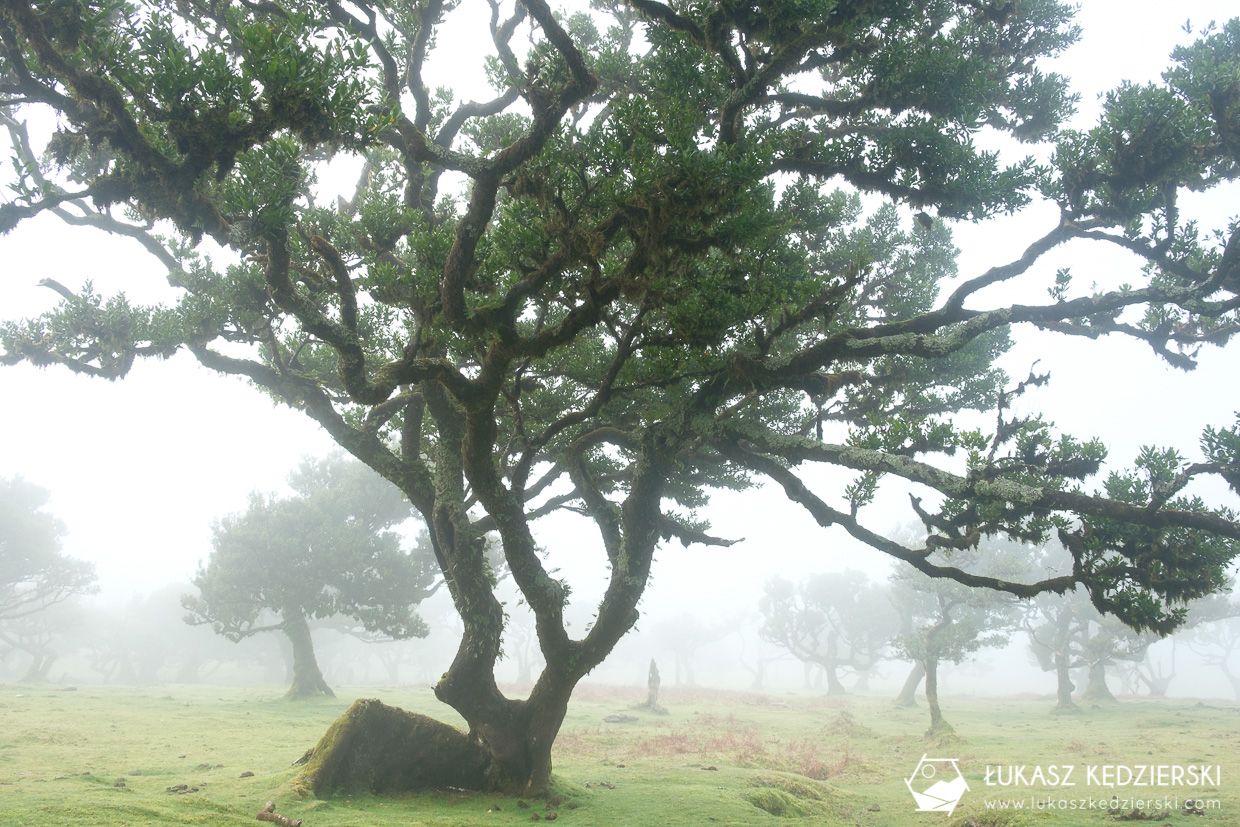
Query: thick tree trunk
[
  {"x": 908, "y": 693},
  {"x": 514, "y": 736},
  {"x": 307, "y": 679},
  {"x": 1097, "y": 691}
]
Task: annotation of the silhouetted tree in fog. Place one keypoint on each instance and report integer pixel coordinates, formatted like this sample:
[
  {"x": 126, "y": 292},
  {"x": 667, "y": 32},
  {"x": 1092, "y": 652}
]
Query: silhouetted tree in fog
[
  {"x": 947, "y": 622},
  {"x": 328, "y": 550},
  {"x": 34, "y": 573},
  {"x": 834, "y": 621}
]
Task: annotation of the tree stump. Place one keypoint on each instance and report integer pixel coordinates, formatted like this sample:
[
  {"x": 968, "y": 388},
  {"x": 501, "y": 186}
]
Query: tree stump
[{"x": 381, "y": 749}]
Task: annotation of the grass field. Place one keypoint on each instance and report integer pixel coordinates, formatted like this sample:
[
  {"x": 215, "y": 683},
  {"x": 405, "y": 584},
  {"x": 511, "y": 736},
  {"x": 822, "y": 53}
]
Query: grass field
[{"x": 175, "y": 755}]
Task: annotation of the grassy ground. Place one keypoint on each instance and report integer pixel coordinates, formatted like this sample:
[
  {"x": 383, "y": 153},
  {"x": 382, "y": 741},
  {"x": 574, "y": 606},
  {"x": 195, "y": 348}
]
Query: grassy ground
[{"x": 175, "y": 755}]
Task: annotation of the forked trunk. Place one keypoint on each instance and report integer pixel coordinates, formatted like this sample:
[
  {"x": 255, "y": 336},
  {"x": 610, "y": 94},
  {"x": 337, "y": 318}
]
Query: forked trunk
[
  {"x": 1097, "y": 691},
  {"x": 307, "y": 679},
  {"x": 508, "y": 745},
  {"x": 380, "y": 749}
]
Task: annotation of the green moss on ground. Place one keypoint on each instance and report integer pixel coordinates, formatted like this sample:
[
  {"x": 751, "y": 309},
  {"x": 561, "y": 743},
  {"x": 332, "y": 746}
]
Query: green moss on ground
[{"x": 716, "y": 759}]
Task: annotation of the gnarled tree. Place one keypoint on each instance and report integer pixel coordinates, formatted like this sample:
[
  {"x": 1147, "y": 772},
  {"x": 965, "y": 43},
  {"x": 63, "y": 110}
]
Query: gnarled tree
[{"x": 656, "y": 278}]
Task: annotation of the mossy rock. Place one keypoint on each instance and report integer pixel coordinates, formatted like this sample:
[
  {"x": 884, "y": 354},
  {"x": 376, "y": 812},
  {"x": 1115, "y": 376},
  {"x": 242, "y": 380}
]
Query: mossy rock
[{"x": 378, "y": 748}]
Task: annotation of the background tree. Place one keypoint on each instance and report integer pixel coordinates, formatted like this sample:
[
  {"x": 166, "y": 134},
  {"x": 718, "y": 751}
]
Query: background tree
[
  {"x": 763, "y": 655},
  {"x": 44, "y": 636},
  {"x": 331, "y": 549},
  {"x": 836, "y": 621},
  {"x": 34, "y": 573},
  {"x": 144, "y": 642},
  {"x": 1217, "y": 643},
  {"x": 684, "y": 635},
  {"x": 949, "y": 621},
  {"x": 1151, "y": 672},
  {"x": 1066, "y": 633},
  {"x": 650, "y": 284},
  {"x": 1056, "y": 625}
]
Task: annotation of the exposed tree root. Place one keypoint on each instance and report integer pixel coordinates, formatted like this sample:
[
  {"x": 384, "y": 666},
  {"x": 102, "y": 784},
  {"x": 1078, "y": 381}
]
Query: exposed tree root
[{"x": 382, "y": 749}]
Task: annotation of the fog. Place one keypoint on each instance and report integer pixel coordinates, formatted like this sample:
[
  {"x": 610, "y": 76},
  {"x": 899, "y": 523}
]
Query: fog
[
  {"x": 139, "y": 469},
  {"x": 142, "y": 642}
]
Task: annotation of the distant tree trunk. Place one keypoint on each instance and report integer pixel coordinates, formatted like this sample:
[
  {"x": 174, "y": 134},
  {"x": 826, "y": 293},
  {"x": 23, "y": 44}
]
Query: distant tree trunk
[
  {"x": 758, "y": 670},
  {"x": 390, "y": 657},
  {"x": 932, "y": 692},
  {"x": 307, "y": 679},
  {"x": 862, "y": 684},
  {"x": 908, "y": 693},
  {"x": 1234, "y": 680},
  {"x": 1097, "y": 691},
  {"x": 40, "y": 665},
  {"x": 814, "y": 673},
  {"x": 834, "y": 687},
  {"x": 1158, "y": 684},
  {"x": 525, "y": 665},
  {"x": 938, "y": 726},
  {"x": 684, "y": 669},
  {"x": 832, "y": 665},
  {"x": 1065, "y": 688},
  {"x": 1154, "y": 678},
  {"x": 189, "y": 670}
]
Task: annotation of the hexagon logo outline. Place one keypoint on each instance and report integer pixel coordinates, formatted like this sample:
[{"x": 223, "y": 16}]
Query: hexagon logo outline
[{"x": 943, "y": 794}]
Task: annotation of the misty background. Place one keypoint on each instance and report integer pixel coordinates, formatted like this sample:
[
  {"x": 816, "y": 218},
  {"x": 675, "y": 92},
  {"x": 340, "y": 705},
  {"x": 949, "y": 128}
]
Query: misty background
[{"x": 138, "y": 470}]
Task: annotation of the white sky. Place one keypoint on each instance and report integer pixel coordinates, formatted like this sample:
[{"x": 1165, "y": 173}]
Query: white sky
[{"x": 139, "y": 468}]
